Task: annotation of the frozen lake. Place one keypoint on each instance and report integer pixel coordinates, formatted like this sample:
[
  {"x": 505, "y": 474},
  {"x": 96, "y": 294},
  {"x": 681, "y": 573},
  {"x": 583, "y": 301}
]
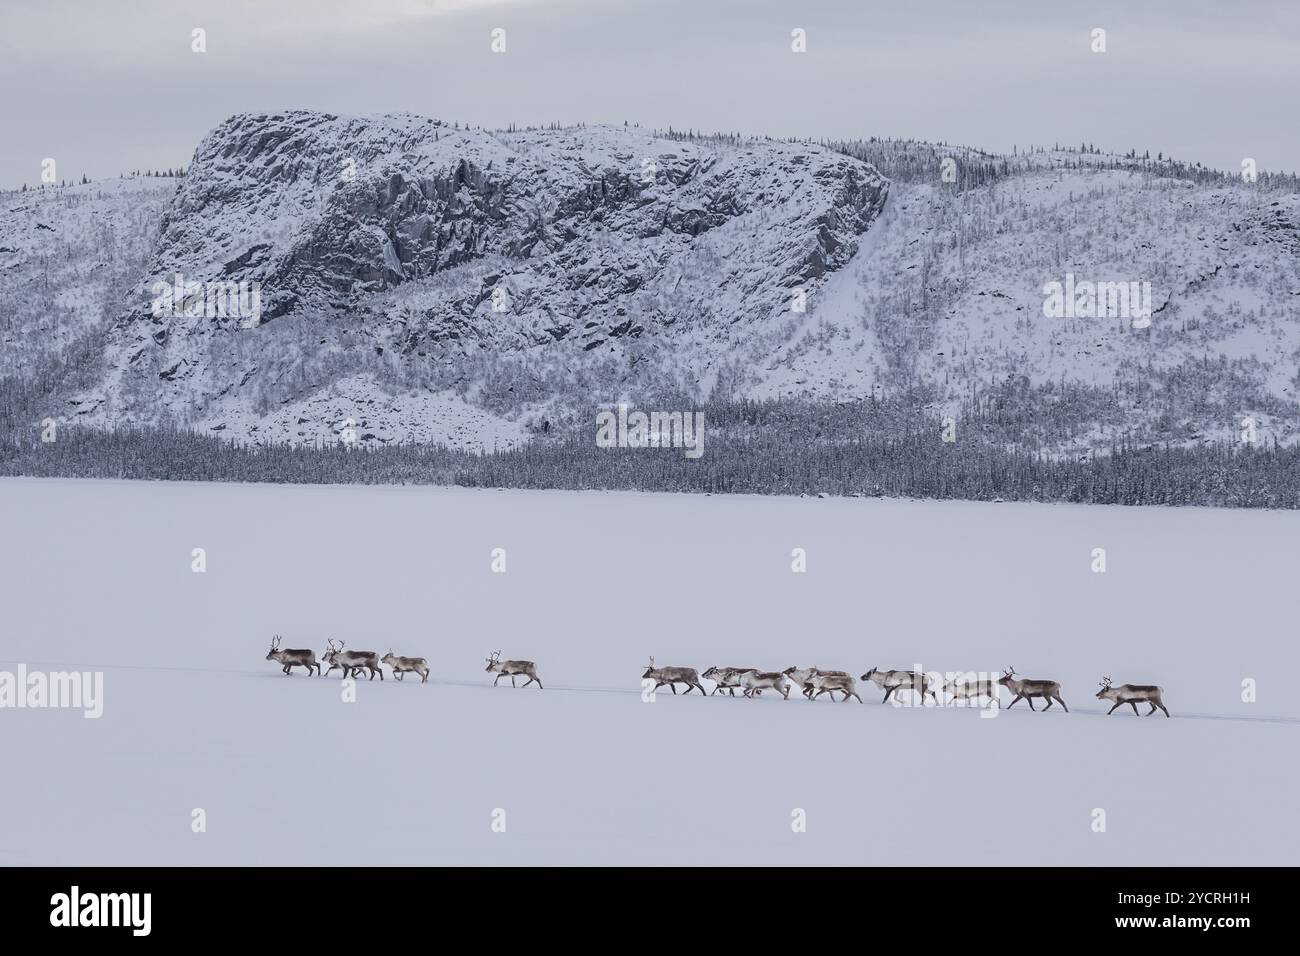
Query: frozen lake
[{"x": 98, "y": 576}]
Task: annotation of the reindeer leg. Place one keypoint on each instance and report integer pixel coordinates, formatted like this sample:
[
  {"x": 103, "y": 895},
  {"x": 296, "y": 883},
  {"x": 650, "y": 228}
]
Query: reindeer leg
[
  {"x": 1049, "y": 705},
  {"x": 1152, "y": 710},
  {"x": 539, "y": 683},
  {"x": 888, "y": 691},
  {"x": 1061, "y": 701},
  {"x": 1162, "y": 707},
  {"x": 1030, "y": 702},
  {"x": 855, "y": 695},
  {"x": 1013, "y": 702},
  {"x": 1112, "y": 710},
  {"x": 1135, "y": 708},
  {"x": 512, "y": 680},
  {"x": 494, "y": 683}
]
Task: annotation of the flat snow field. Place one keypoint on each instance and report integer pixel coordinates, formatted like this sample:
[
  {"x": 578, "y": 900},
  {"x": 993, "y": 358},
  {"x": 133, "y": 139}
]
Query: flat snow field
[{"x": 98, "y": 576}]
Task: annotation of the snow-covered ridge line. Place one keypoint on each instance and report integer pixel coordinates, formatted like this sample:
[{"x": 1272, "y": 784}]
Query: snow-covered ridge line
[
  {"x": 420, "y": 281},
  {"x": 421, "y": 253}
]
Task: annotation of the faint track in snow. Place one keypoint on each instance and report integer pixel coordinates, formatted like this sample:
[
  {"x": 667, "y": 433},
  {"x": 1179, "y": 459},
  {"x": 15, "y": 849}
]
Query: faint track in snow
[{"x": 566, "y": 688}]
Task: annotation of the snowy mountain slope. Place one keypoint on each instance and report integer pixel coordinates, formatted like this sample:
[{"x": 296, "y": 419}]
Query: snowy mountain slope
[
  {"x": 947, "y": 294},
  {"x": 67, "y": 256},
  {"x": 425, "y": 282},
  {"x": 194, "y": 717},
  {"x": 421, "y": 252}
]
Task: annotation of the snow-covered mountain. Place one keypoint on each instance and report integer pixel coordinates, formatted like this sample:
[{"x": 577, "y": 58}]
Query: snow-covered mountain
[
  {"x": 947, "y": 296},
  {"x": 409, "y": 271},
  {"x": 424, "y": 281},
  {"x": 68, "y": 256}
]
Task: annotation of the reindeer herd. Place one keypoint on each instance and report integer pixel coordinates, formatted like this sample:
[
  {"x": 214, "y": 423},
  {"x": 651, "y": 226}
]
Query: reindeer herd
[{"x": 812, "y": 682}]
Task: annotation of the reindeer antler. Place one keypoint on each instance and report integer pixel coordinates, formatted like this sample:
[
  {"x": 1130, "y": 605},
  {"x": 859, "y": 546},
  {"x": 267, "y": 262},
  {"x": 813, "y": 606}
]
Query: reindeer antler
[
  {"x": 1105, "y": 682},
  {"x": 275, "y": 642}
]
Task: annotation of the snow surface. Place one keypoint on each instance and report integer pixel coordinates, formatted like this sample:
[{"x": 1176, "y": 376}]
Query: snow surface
[
  {"x": 97, "y": 575},
  {"x": 375, "y": 415}
]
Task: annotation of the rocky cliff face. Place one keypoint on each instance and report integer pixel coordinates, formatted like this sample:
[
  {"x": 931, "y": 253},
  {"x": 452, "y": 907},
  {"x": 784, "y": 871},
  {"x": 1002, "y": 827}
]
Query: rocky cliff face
[
  {"x": 420, "y": 257},
  {"x": 416, "y": 281}
]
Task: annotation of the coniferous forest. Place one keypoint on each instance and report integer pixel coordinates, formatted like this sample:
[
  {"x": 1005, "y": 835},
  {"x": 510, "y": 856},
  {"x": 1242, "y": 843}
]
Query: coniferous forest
[{"x": 776, "y": 447}]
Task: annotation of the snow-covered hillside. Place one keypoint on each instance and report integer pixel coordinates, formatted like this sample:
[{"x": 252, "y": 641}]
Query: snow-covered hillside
[
  {"x": 421, "y": 281},
  {"x": 68, "y": 255},
  {"x": 425, "y": 254},
  {"x": 287, "y": 772},
  {"x": 947, "y": 295}
]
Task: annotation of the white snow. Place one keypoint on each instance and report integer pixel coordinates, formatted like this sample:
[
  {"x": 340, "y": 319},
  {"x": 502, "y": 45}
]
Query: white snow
[
  {"x": 374, "y": 415},
  {"x": 97, "y": 575}
]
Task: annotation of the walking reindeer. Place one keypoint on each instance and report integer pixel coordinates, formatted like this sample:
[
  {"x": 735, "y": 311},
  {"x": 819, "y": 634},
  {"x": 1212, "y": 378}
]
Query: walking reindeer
[
  {"x": 727, "y": 678},
  {"x": 755, "y": 682},
  {"x": 803, "y": 676},
  {"x": 894, "y": 681},
  {"x": 970, "y": 687},
  {"x": 512, "y": 669},
  {"x": 1132, "y": 694},
  {"x": 672, "y": 676},
  {"x": 827, "y": 682},
  {"x": 352, "y": 662},
  {"x": 292, "y": 657},
  {"x": 1029, "y": 689},
  {"x": 401, "y": 665}
]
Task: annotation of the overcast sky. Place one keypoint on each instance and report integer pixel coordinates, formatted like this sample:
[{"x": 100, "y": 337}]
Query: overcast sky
[{"x": 105, "y": 86}]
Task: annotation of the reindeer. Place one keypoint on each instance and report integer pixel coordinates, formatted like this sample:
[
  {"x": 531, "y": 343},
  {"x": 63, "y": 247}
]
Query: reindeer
[
  {"x": 511, "y": 669},
  {"x": 803, "y": 677},
  {"x": 672, "y": 676},
  {"x": 1029, "y": 689},
  {"x": 291, "y": 657},
  {"x": 401, "y": 665},
  {"x": 973, "y": 689},
  {"x": 894, "y": 681},
  {"x": 758, "y": 681},
  {"x": 726, "y": 678},
  {"x": 352, "y": 662},
  {"x": 827, "y": 682},
  {"x": 1131, "y": 694}
]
